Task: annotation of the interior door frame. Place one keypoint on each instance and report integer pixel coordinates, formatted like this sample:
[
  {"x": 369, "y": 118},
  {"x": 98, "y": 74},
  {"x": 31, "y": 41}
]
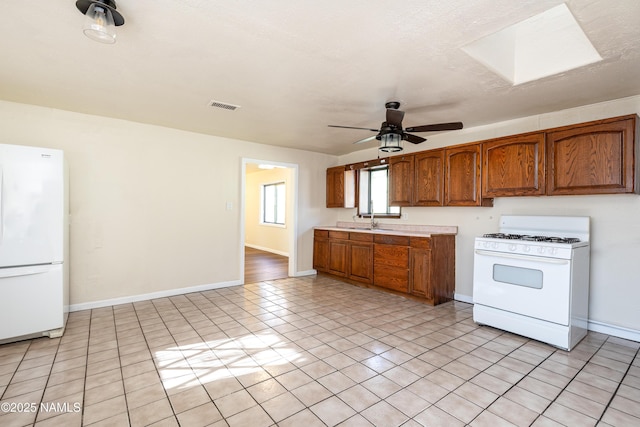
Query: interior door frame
[{"x": 291, "y": 231}]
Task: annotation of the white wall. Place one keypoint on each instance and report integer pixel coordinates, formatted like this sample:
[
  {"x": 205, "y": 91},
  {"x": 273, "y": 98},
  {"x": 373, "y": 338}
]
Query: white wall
[
  {"x": 615, "y": 219},
  {"x": 267, "y": 237},
  {"x": 148, "y": 204}
]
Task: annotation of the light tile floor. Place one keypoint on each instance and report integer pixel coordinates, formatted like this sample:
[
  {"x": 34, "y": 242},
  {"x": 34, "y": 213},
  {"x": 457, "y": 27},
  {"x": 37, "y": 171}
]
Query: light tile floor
[{"x": 309, "y": 352}]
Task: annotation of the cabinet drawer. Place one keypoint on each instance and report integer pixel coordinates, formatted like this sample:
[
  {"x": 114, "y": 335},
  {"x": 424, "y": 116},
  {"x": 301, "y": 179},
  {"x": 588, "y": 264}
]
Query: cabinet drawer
[
  {"x": 322, "y": 234},
  {"x": 361, "y": 237},
  {"x": 391, "y": 255},
  {"x": 391, "y": 240},
  {"x": 391, "y": 277},
  {"x": 421, "y": 242},
  {"x": 339, "y": 235}
]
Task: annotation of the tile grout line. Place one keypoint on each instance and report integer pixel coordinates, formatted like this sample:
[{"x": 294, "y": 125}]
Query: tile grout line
[
  {"x": 86, "y": 368},
  {"x": 569, "y": 382},
  {"x": 615, "y": 392}
]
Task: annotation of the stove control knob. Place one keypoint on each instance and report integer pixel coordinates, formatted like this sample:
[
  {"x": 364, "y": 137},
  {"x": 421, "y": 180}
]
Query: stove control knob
[
  {"x": 494, "y": 245},
  {"x": 486, "y": 245},
  {"x": 540, "y": 249},
  {"x": 512, "y": 247},
  {"x": 526, "y": 248},
  {"x": 553, "y": 250}
]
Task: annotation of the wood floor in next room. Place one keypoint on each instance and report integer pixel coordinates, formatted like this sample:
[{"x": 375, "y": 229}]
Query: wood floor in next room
[{"x": 261, "y": 265}]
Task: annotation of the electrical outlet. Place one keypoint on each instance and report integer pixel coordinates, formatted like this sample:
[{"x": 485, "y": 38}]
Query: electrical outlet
[{"x": 404, "y": 216}]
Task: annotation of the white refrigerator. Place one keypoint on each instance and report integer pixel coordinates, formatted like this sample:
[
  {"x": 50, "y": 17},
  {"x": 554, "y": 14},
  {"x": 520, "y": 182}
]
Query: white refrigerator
[{"x": 34, "y": 254}]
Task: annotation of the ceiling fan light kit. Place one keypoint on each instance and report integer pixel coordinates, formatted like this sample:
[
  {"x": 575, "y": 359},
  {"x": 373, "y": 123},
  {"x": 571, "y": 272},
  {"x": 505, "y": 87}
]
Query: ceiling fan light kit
[
  {"x": 101, "y": 19},
  {"x": 390, "y": 143},
  {"x": 391, "y": 134}
]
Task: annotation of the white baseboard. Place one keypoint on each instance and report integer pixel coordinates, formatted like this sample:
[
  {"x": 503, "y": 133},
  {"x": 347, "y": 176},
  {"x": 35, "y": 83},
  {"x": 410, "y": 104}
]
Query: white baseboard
[
  {"x": 305, "y": 273},
  {"x": 463, "y": 298},
  {"x": 152, "y": 295},
  {"x": 262, "y": 248},
  {"x": 616, "y": 331},
  {"x": 595, "y": 326}
]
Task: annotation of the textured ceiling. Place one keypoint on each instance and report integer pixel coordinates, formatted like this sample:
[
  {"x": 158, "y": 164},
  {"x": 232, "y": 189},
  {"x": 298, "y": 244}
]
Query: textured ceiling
[{"x": 296, "y": 66}]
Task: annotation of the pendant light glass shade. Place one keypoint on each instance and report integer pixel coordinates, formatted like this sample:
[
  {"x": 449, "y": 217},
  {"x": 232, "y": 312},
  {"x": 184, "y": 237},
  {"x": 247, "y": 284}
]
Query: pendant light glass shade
[
  {"x": 99, "y": 25},
  {"x": 391, "y": 143}
]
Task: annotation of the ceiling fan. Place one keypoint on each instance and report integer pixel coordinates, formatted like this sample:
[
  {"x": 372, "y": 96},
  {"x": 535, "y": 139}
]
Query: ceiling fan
[{"x": 391, "y": 132}]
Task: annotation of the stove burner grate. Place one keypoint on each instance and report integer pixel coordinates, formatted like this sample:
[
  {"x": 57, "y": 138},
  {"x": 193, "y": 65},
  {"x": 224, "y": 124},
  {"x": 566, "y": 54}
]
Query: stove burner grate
[
  {"x": 504, "y": 236},
  {"x": 529, "y": 238}
]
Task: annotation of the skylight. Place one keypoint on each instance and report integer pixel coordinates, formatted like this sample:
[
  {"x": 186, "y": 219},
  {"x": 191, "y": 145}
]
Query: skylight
[{"x": 545, "y": 44}]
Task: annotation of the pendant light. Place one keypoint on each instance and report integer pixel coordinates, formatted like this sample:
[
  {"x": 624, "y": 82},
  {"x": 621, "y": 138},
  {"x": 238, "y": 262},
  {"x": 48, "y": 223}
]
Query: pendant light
[
  {"x": 390, "y": 142},
  {"x": 101, "y": 19}
]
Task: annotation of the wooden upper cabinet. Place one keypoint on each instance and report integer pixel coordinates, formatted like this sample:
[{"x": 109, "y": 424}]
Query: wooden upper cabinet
[
  {"x": 462, "y": 176},
  {"x": 514, "y": 166},
  {"x": 428, "y": 183},
  {"x": 401, "y": 180},
  {"x": 341, "y": 187},
  {"x": 598, "y": 157},
  {"x": 335, "y": 187}
]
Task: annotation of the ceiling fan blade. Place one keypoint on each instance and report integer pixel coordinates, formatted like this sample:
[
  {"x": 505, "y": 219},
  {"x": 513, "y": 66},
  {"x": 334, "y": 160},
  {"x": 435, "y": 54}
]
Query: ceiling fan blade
[
  {"x": 352, "y": 127},
  {"x": 371, "y": 138},
  {"x": 394, "y": 117},
  {"x": 435, "y": 127},
  {"x": 414, "y": 139}
]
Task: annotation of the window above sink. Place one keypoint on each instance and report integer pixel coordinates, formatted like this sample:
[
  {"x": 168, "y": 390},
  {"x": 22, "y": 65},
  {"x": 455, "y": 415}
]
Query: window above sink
[{"x": 373, "y": 191}]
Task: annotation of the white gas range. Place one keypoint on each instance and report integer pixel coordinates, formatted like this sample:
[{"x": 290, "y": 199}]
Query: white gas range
[{"x": 532, "y": 278}]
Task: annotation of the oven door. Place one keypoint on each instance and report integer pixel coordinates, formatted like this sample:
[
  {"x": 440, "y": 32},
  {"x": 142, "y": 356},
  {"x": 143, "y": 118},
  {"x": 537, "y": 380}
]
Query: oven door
[{"x": 533, "y": 286}]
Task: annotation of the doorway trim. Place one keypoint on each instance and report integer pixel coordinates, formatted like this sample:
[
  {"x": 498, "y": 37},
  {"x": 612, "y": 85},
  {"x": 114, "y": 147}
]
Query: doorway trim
[{"x": 291, "y": 231}]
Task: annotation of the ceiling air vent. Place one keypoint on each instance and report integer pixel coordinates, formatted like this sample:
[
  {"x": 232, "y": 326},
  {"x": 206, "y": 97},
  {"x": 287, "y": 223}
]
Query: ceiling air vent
[{"x": 223, "y": 105}]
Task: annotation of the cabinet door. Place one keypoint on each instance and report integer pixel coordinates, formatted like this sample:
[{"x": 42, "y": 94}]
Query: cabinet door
[
  {"x": 428, "y": 184},
  {"x": 338, "y": 257},
  {"x": 335, "y": 187},
  {"x": 420, "y": 269},
  {"x": 361, "y": 261},
  {"x": 321, "y": 254},
  {"x": 597, "y": 158},
  {"x": 341, "y": 187},
  {"x": 462, "y": 176},
  {"x": 400, "y": 180},
  {"x": 513, "y": 166}
]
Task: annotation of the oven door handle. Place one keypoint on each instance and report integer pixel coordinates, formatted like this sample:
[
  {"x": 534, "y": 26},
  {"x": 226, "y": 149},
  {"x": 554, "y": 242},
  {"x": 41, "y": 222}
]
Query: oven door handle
[{"x": 522, "y": 257}]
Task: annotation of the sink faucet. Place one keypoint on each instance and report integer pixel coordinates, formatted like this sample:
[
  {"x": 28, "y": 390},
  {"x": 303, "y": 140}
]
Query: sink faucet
[{"x": 374, "y": 224}]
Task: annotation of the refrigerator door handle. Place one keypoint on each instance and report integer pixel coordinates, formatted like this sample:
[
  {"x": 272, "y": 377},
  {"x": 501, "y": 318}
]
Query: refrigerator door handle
[{"x": 24, "y": 271}]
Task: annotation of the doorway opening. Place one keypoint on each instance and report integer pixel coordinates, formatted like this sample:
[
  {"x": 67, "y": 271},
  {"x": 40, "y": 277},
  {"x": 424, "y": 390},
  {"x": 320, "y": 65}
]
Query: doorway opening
[{"x": 269, "y": 219}]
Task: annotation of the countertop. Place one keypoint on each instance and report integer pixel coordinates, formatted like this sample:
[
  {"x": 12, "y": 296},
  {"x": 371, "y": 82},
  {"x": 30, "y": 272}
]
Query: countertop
[{"x": 395, "y": 229}]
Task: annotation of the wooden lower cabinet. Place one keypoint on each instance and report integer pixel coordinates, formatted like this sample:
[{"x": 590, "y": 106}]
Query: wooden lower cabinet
[
  {"x": 338, "y": 260},
  {"x": 420, "y": 266},
  {"x": 344, "y": 254},
  {"x": 432, "y": 268},
  {"x": 391, "y": 266},
  {"x": 361, "y": 260},
  {"x": 420, "y": 263},
  {"x": 321, "y": 250}
]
